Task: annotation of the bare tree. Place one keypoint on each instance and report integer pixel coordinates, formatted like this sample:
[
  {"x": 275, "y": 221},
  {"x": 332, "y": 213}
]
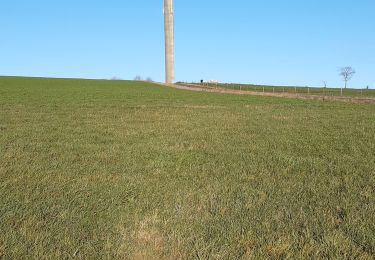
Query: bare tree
[
  {"x": 137, "y": 78},
  {"x": 325, "y": 84},
  {"x": 347, "y": 74},
  {"x": 149, "y": 79}
]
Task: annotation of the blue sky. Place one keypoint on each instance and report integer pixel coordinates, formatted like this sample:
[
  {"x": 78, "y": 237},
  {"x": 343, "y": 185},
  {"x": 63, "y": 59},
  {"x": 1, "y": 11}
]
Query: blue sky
[{"x": 289, "y": 42}]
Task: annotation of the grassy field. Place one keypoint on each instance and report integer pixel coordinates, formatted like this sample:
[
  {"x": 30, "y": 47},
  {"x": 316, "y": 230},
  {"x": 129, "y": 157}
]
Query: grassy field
[
  {"x": 334, "y": 92},
  {"x": 94, "y": 169}
]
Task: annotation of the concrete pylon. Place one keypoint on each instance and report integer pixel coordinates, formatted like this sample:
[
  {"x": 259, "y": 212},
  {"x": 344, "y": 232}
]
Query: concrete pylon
[{"x": 169, "y": 41}]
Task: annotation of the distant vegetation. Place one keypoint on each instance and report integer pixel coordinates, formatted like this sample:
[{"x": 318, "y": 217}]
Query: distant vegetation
[
  {"x": 139, "y": 78},
  {"x": 100, "y": 169}
]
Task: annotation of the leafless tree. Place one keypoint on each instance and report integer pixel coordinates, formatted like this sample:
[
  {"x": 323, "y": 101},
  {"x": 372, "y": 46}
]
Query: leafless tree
[
  {"x": 347, "y": 74},
  {"x": 325, "y": 84},
  {"x": 137, "y": 78},
  {"x": 149, "y": 79}
]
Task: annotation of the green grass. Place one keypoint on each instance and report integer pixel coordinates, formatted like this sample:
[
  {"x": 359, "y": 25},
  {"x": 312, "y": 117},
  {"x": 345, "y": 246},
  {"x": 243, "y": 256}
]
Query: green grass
[
  {"x": 349, "y": 92},
  {"x": 95, "y": 169}
]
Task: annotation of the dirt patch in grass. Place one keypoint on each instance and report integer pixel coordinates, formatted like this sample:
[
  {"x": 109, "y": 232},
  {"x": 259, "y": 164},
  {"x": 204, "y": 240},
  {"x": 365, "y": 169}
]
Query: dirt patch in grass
[
  {"x": 203, "y": 107},
  {"x": 149, "y": 242}
]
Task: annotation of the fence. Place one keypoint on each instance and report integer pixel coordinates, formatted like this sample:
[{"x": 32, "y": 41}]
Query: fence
[{"x": 297, "y": 90}]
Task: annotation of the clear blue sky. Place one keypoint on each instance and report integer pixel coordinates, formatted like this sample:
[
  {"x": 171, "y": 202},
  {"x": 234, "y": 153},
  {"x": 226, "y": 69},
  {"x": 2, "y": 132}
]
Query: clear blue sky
[{"x": 291, "y": 42}]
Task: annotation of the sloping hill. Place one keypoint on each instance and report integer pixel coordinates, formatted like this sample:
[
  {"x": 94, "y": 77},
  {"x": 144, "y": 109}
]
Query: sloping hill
[{"x": 120, "y": 169}]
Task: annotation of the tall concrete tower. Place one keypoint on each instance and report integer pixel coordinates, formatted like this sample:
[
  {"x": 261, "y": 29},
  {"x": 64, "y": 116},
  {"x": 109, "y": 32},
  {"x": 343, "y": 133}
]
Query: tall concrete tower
[{"x": 169, "y": 41}]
